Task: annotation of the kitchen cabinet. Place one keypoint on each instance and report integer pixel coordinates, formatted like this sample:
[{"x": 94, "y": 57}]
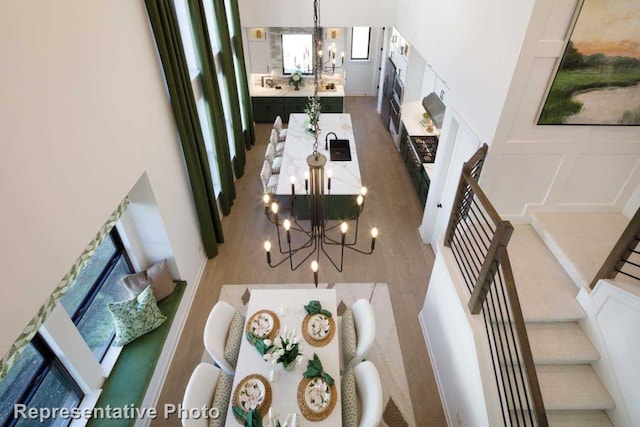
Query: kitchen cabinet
[
  {"x": 332, "y": 104},
  {"x": 419, "y": 177},
  {"x": 259, "y": 57},
  {"x": 266, "y": 109}
]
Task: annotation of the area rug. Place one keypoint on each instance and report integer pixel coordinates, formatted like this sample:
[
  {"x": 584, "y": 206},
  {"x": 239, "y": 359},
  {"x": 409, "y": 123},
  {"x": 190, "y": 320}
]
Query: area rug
[{"x": 385, "y": 354}]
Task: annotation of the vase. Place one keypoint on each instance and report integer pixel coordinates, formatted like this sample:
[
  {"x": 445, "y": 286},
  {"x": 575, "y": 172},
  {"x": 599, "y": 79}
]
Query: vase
[{"x": 289, "y": 366}]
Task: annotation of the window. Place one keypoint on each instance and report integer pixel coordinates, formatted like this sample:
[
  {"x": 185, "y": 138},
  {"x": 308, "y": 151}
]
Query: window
[
  {"x": 99, "y": 284},
  {"x": 360, "y": 38},
  {"x": 297, "y": 53},
  {"x": 37, "y": 380},
  {"x": 204, "y": 113}
]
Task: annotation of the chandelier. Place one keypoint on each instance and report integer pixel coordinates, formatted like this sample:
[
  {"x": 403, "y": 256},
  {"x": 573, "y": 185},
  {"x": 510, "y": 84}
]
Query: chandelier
[
  {"x": 318, "y": 236},
  {"x": 328, "y": 66}
]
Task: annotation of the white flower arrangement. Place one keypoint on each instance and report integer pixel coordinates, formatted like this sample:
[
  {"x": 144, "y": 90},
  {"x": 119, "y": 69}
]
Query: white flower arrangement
[
  {"x": 295, "y": 79},
  {"x": 284, "y": 349}
]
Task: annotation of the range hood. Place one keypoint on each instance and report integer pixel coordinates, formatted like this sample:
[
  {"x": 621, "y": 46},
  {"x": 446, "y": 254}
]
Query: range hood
[{"x": 434, "y": 106}]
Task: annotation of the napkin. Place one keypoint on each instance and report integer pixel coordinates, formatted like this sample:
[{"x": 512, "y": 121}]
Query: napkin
[
  {"x": 260, "y": 344},
  {"x": 314, "y": 369},
  {"x": 314, "y": 307},
  {"x": 250, "y": 418}
]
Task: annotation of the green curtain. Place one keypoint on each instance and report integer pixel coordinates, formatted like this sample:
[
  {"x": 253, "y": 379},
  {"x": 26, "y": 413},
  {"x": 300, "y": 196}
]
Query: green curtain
[
  {"x": 38, "y": 320},
  {"x": 226, "y": 56},
  {"x": 238, "y": 51},
  {"x": 204, "y": 57},
  {"x": 164, "y": 23}
]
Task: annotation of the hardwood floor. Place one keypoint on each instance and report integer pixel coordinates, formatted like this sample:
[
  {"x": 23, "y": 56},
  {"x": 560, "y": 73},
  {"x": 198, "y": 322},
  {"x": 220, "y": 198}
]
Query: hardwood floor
[{"x": 401, "y": 259}]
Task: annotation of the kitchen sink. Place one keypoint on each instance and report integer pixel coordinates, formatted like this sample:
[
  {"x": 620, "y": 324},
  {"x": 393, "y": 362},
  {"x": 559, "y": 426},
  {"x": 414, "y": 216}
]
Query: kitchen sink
[{"x": 339, "y": 150}]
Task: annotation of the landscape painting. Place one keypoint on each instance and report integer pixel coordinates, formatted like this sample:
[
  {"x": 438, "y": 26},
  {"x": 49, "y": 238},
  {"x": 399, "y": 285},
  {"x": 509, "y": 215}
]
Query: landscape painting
[{"x": 598, "y": 80}]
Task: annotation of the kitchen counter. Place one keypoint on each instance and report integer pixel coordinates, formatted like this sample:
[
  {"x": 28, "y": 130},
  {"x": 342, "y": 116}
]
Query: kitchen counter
[
  {"x": 411, "y": 117},
  {"x": 428, "y": 168},
  {"x": 288, "y": 91}
]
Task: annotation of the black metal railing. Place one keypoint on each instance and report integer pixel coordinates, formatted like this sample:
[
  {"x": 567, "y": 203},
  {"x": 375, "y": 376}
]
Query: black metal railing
[
  {"x": 624, "y": 258},
  {"x": 478, "y": 239}
]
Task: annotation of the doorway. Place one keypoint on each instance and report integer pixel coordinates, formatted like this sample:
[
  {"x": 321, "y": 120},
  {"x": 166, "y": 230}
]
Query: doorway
[{"x": 363, "y": 75}]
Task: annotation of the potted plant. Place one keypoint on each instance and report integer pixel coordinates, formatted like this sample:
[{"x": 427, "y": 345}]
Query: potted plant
[
  {"x": 284, "y": 349},
  {"x": 296, "y": 80},
  {"x": 313, "y": 111}
]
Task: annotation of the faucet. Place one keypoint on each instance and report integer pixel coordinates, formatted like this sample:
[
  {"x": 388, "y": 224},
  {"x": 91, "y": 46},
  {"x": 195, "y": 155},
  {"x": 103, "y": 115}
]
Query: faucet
[{"x": 326, "y": 139}]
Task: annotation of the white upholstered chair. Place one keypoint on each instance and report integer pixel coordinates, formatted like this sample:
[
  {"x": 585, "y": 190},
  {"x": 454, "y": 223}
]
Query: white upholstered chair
[
  {"x": 208, "y": 387},
  {"x": 369, "y": 390},
  {"x": 269, "y": 179},
  {"x": 273, "y": 140},
  {"x": 274, "y": 161},
  {"x": 277, "y": 126},
  {"x": 358, "y": 332},
  {"x": 223, "y": 335}
]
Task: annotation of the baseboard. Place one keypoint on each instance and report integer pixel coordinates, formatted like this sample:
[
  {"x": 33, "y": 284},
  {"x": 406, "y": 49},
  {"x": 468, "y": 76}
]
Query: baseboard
[
  {"x": 425, "y": 334},
  {"x": 169, "y": 349}
]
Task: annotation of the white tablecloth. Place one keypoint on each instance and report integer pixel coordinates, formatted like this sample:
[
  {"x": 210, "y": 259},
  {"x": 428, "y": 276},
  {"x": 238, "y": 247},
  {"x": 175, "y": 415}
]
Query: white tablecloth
[{"x": 285, "y": 387}]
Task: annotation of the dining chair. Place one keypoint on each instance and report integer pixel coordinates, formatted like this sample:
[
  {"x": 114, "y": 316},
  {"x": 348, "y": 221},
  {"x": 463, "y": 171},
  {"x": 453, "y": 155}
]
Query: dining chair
[
  {"x": 269, "y": 179},
  {"x": 274, "y": 161},
  {"x": 273, "y": 140},
  {"x": 362, "y": 401},
  {"x": 209, "y": 387},
  {"x": 358, "y": 332},
  {"x": 277, "y": 126},
  {"x": 223, "y": 334}
]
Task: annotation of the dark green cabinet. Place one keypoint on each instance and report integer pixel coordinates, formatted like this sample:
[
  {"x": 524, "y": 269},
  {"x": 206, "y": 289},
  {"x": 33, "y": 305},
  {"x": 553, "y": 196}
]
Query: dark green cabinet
[
  {"x": 267, "y": 108},
  {"x": 418, "y": 174},
  {"x": 332, "y": 104}
]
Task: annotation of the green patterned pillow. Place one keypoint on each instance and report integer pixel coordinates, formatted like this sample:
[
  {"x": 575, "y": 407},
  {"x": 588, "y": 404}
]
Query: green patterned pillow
[
  {"x": 234, "y": 339},
  {"x": 348, "y": 337},
  {"x": 350, "y": 403},
  {"x": 135, "y": 317},
  {"x": 221, "y": 398}
]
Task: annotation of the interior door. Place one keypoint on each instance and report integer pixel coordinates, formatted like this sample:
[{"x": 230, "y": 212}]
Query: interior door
[{"x": 460, "y": 145}]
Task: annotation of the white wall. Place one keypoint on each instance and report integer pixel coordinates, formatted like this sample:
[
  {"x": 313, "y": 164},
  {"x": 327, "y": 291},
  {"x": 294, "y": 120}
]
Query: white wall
[
  {"x": 458, "y": 347},
  {"x": 83, "y": 114},
  {"x": 555, "y": 168},
  {"x": 333, "y": 13},
  {"x": 473, "y": 46},
  {"x": 613, "y": 316}
]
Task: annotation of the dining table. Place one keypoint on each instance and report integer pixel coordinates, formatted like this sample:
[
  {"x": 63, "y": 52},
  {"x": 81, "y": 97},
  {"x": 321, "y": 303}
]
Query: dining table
[{"x": 287, "y": 392}]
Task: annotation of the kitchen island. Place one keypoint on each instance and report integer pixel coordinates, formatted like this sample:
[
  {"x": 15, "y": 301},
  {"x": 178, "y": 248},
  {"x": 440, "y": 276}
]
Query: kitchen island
[
  {"x": 271, "y": 102},
  {"x": 346, "y": 182}
]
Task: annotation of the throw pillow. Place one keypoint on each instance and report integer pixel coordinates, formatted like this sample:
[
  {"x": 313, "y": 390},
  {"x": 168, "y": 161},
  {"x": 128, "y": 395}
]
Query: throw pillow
[
  {"x": 135, "y": 317},
  {"x": 157, "y": 276},
  {"x": 221, "y": 398},
  {"x": 160, "y": 279},
  {"x": 348, "y": 337},
  {"x": 350, "y": 403},
  {"x": 234, "y": 338}
]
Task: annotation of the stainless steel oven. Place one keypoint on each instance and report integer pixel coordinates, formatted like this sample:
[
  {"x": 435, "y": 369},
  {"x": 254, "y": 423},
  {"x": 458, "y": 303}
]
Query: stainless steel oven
[{"x": 395, "y": 113}]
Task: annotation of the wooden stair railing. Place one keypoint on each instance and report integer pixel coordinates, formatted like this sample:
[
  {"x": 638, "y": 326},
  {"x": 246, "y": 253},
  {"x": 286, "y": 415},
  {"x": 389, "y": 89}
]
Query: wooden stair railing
[{"x": 625, "y": 247}]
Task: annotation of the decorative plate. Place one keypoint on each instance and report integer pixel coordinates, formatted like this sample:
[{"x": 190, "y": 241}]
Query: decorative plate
[
  {"x": 264, "y": 324},
  {"x": 253, "y": 392},
  {"x": 316, "y": 398},
  {"x": 318, "y": 329}
]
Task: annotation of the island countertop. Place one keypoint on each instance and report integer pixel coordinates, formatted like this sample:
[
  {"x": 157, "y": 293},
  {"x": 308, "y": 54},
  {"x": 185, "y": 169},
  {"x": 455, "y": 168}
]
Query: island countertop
[
  {"x": 299, "y": 145},
  {"x": 288, "y": 91}
]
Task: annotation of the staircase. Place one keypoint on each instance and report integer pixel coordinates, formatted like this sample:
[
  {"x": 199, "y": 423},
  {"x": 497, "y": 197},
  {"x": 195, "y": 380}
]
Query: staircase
[{"x": 572, "y": 392}]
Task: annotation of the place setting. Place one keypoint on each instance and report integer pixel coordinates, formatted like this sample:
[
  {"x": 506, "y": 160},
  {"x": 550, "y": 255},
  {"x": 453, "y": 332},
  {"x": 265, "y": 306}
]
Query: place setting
[
  {"x": 251, "y": 399},
  {"x": 318, "y": 326},
  {"x": 317, "y": 394}
]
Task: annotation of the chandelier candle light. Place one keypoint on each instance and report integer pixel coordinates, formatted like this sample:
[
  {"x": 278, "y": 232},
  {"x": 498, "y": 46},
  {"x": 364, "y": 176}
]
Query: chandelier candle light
[{"x": 316, "y": 236}]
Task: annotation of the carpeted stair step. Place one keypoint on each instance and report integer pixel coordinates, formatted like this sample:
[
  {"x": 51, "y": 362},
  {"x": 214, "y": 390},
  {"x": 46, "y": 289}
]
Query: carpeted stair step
[
  {"x": 572, "y": 387},
  {"x": 580, "y": 241},
  {"x": 560, "y": 342},
  {"x": 545, "y": 291},
  {"x": 578, "y": 419}
]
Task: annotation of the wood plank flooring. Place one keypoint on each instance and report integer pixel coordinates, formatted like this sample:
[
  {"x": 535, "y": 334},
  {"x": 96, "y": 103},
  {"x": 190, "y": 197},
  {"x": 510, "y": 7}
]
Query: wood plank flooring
[{"x": 401, "y": 259}]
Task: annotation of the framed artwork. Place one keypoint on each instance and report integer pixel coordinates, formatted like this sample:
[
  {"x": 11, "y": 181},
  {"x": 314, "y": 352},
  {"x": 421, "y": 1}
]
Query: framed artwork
[{"x": 598, "y": 79}]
